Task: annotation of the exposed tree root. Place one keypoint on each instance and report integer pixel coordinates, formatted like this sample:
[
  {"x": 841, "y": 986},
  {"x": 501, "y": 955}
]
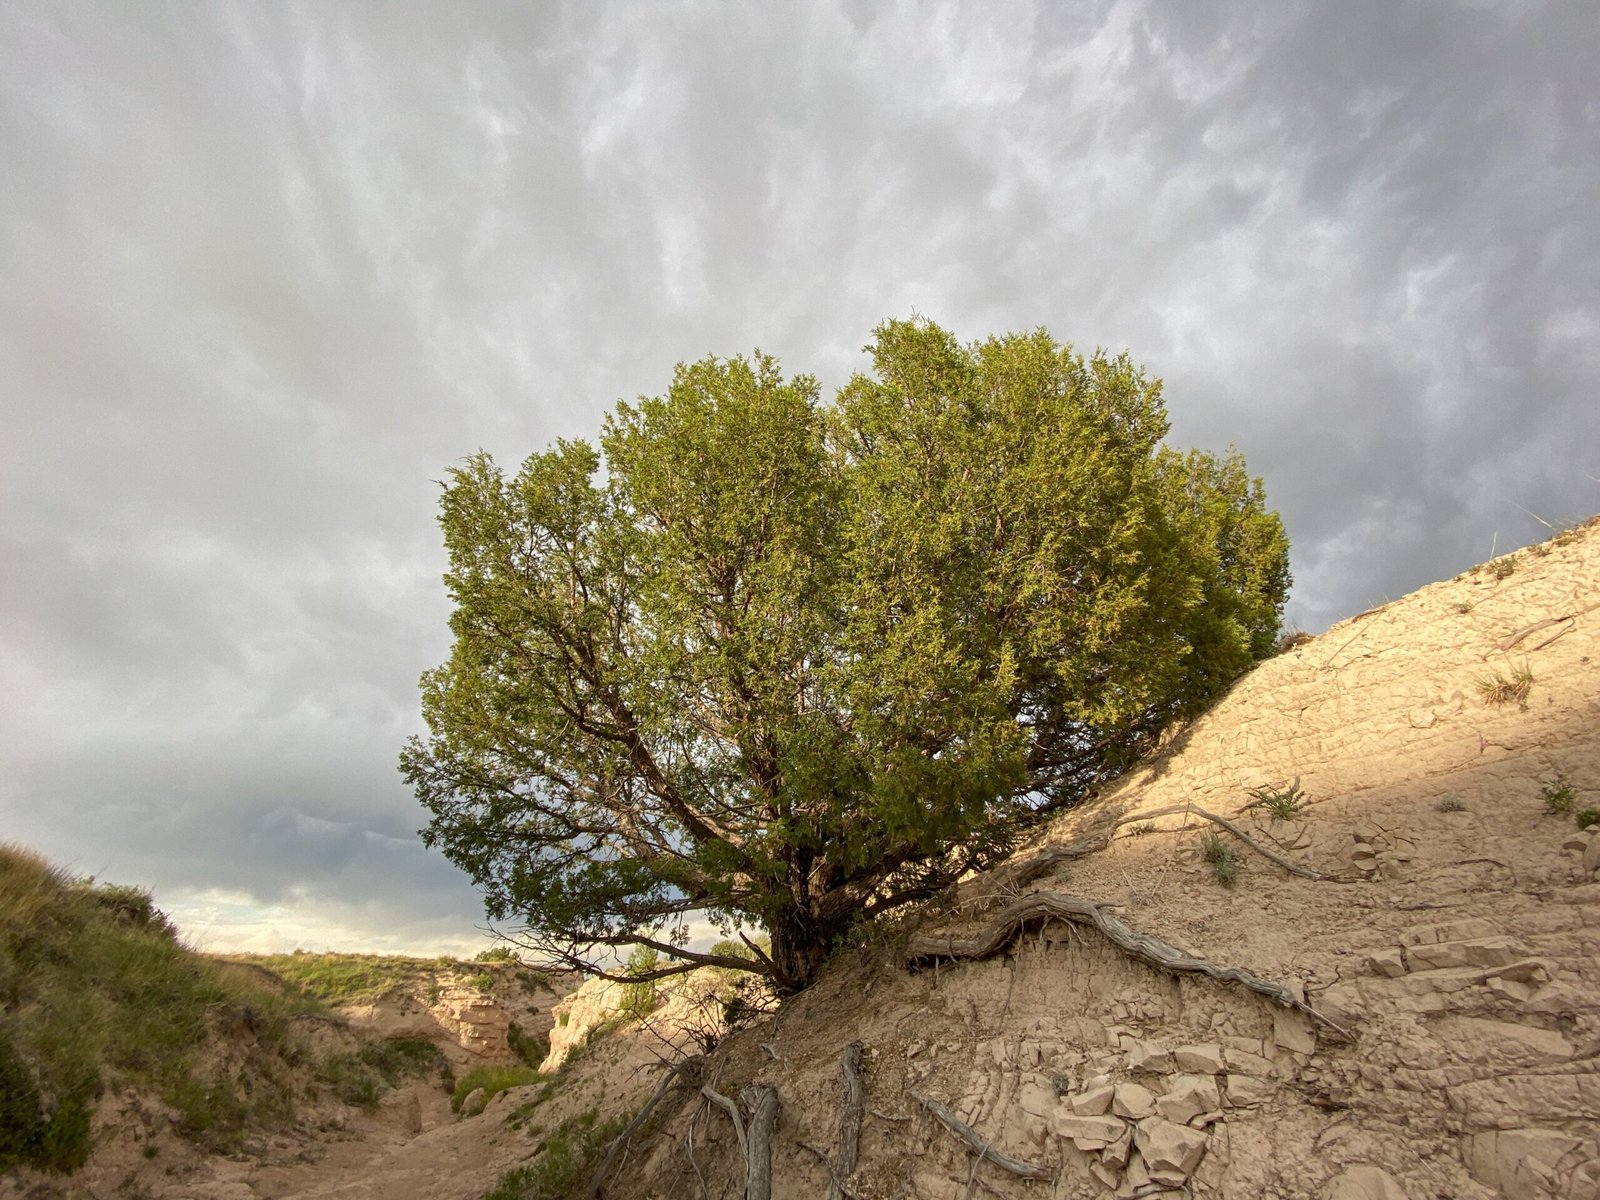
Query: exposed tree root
[
  {"x": 984, "y": 1150},
  {"x": 732, "y": 1109},
  {"x": 762, "y": 1101},
  {"x": 855, "y": 1101},
  {"x": 1101, "y": 834},
  {"x": 1147, "y": 949},
  {"x": 1287, "y": 864},
  {"x": 755, "y": 1145}
]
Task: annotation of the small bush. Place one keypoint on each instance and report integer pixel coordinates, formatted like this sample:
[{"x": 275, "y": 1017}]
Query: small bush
[
  {"x": 531, "y": 1050},
  {"x": 1503, "y": 568},
  {"x": 1450, "y": 804},
  {"x": 1587, "y": 817},
  {"x": 1284, "y": 803},
  {"x": 1290, "y": 638},
  {"x": 1494, "y": 689},
  {"x": 395, "y": 1058},
  {"x": 564, "y": 1163},
  {"x": 1559, "y": 797},
  {"x": 484, "y": 983},
  {"x": 1222, "y": 858},
  {"x": 352, "y": 1080},
  {"x": 495, "y": 954},
  {"x": 493, "y": 1081}
]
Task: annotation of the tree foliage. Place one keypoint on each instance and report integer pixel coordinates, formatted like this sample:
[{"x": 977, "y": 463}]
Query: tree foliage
[{"x": 792, "y": 664}]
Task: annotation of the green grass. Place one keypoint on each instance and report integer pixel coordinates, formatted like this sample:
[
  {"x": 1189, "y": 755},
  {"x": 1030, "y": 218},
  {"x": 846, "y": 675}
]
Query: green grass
[
  {"x": 1222, "y": 858},
  {"x": 1494, "y": 689},
  {"x": 530, "y": 1050},
  {"x": 1587, "y": 817},
  {"x": 563, "y": 1162},
  {"x": 356, "y": 978},
  {"x": 362, "y": 1078},
  {"x": 1559, "y": 797},
  {"x": 493, "y": 1080},
  {"x": 1282, "y": 803},
  {"x": 96, "y": 991}
]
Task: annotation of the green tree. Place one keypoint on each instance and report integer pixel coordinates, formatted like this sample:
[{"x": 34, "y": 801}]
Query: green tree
[{"x": 794, "y": 664}]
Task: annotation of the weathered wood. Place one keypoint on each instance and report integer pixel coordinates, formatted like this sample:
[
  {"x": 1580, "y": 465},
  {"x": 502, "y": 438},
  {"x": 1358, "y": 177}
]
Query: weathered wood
[
  {"x": 855, "y": 1102},
  {"x": 732, "y": 1109},
  {"x": 1287, "y": 864},
  {"x": 984, "y": 1150},
  {"x": 1147, "y": 949},
  {"x": 598, "y": 1179},
  {"x": 762, "y": 1101}
]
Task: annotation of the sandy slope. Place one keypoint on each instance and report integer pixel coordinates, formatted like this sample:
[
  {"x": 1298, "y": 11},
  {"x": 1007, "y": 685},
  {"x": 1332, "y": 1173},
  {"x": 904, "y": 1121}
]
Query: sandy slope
[{"x": 1462, "y": 948}]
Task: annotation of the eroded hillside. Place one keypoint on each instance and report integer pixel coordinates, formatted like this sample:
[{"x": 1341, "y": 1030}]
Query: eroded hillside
[{"x": 1436, "y": 904}]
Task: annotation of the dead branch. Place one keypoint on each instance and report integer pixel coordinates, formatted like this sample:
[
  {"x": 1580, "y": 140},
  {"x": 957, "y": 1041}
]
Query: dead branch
[
  {"x": 732, "y": 1110},
  {"x": 1104, "y": 831},
  {"x": 1287, "y": 864},
  {"x": 855, "y": 1099},
  {"x": 597, "y": 1181},
  {"x": 1142, "y": 946},
  {"x": 1567, "y": 623},
  {"x": 978, "y": 1146}
]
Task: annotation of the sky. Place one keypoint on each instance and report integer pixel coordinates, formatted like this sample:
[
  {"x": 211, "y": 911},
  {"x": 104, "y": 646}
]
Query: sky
[{"x": 270, "y": 269}]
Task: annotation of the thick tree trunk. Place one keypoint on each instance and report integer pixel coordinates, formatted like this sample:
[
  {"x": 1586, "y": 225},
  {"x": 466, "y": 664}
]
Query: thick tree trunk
[{"x": 799, "y": 945}]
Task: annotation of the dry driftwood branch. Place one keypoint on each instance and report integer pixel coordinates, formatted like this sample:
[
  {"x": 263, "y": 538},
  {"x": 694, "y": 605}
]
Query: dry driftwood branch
[
  {"x": 597, "y": 1181},
  {"x": 983, "y": 1149},
  {"x": 1142, "y": 946},
  {"x": 762, "y": 1101},
  {"x": 1102, "y": 833},
  {"x": 732, "y": 1110},
  {"x": 855, "y": 1101},
  {"x": 1287, "y": 864}
]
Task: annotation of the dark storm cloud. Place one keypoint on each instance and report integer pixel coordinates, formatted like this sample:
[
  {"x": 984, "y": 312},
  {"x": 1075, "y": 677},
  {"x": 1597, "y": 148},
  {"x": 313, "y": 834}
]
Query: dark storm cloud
[{"x": 271, "y": 269}]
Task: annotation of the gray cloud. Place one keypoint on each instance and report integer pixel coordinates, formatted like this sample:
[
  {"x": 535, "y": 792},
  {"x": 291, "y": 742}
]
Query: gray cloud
[{"x": 272, "y": 269}]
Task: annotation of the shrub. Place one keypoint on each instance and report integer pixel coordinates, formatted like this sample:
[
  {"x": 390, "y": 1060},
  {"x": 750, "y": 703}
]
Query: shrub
[
  {"x": 495, "y": 954},
  {"x": 1495, "y": 689},
  {"x": 1588, "y": 817},
  {"x": 1450, "y": 804},
  {"x": 1559, "y": 796},
  {"x": 395, "y": 1058},
  {"x": 484, "y": 983},
  {"x": 1281, "y": 803},
  {"x": 530, "y": 1050},
  {"x": 1502, "y": 568},
  {"x": 1222, "y": 858}
]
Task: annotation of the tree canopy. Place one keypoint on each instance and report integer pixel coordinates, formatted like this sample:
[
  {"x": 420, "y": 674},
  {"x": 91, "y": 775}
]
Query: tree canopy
[{"x": 791, "y": 664}]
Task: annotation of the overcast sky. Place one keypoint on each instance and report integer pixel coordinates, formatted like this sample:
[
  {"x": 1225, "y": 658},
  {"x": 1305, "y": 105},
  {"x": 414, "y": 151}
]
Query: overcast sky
[{"x": 268, "y": 269}]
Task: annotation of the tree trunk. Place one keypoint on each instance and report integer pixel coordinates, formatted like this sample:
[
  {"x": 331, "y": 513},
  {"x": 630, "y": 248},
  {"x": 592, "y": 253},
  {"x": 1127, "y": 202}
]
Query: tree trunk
[{"x": 799, "y": 945}]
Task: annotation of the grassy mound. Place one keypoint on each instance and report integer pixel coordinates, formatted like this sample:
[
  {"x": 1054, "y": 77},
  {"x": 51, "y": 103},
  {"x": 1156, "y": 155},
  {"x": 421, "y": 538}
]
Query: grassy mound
[
  {"x": 96, "y": 992},
  {"x": 355, "y": 978}
]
